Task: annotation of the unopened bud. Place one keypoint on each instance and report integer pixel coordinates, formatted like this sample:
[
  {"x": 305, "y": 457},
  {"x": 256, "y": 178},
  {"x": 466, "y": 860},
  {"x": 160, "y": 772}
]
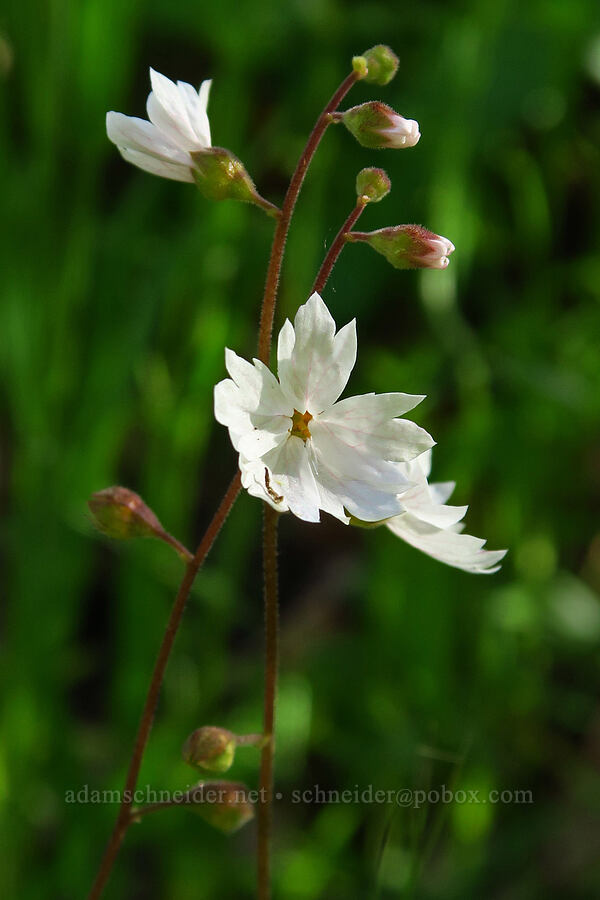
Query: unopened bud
[
  {"x": 210, "y": 748},
  {"x": 223, "y": 804},
  {"x": 408, "y": 246},
  {"x": 377, "y": 65},
  {"x": 120, "y": 513},
  {"x": 372, "y": 185},
  {"x": 220, "y": 175},
  {"x": 377, "y": 126}
]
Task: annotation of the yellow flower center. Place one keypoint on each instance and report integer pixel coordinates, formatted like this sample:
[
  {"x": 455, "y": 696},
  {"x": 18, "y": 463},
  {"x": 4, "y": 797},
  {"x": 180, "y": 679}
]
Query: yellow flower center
[{"x": 300, "y": 425}]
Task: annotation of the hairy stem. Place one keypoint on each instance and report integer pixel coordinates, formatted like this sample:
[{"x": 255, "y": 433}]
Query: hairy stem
[
  {"x": 265, "y": 805},
  {"x": 270, "y": 296},
  {"x": 124, "y": 816},
  {"x": 337, "y": 246}
]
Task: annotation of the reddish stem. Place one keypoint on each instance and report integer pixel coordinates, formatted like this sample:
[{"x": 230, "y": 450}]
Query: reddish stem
[
  {"x": 270, "y": 296},
  {"x": 124, "y": 817},
  {"x": 337, "y": 247},
  {"x": 265, "y": 803}
]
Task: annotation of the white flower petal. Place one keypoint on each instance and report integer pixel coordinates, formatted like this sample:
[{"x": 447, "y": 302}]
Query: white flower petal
[
  {"x": 353, "y": 462},
  {"x": 441, "y": 491},
  {"x": 290, "y": 465},
  {"x": 366, "y": 410},
  {"x": 131, "y": 133},
  {"x": 230, "y": 412},
  {"x": 306, "y": 366},
  {"x": 261, "y": 392},
  {"x": 195, "y": 104},
  {"x": 167, "y": 110},
  {"x": 362, "y": 499},
  {"x": 272, "y": 433},
  {"x": 397, "y": 440},
  {"x": 174, "y": 171},
  {"x": 462, "y": 551}
]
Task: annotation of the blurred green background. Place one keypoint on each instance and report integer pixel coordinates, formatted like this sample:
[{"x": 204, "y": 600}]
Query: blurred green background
[{"x": 119, "y": 292}]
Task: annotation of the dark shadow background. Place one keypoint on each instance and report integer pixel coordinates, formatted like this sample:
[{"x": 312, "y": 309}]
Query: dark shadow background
[{"x": 119, "y": 292}]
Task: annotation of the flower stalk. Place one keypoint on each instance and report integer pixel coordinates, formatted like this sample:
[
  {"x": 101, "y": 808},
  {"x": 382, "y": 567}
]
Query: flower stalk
[
  {"x": 265, "y": 806},
  {"x": 124, "y": 818}
]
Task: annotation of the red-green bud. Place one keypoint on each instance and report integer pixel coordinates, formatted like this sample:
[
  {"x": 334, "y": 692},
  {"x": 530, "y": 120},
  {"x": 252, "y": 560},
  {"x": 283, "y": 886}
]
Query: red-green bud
[
  {"x": 376, "y": 125},
  {"x": 120, "y": 513},
  {"x": 377, "y": 65},
  {"x": 223, "y": 804},
  {"x": 408, "y": 246},
  {"x": 220, "y": 175},
  {"x": 210, "y": 748},
  {"x": 372, "y": 185}
]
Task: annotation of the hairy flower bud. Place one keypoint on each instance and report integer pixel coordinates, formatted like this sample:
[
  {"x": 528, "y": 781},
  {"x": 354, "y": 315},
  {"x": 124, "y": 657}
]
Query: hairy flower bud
[
  {"x": 376, "y": 125},
  {"x": 210, "y": 748},
  {"x": 220, "y": 175},
  {"x": 408, "y": 246},
  {"x": 120, "y": 513},
  {"x": 372, "y": 185},
  {"x": 377, "y": 65},
  {"x": 223, "y": 804}
]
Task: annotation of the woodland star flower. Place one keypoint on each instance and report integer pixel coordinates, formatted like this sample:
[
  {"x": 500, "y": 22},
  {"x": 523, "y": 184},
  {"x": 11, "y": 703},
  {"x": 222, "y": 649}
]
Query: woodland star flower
[
  {"x": 302, "y": 451},
  {"x": 178, "y": 126},
  {"x": 433, "y": 527}
]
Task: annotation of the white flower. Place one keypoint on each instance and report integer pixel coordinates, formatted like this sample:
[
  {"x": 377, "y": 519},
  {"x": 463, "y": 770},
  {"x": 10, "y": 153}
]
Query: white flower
[
  {"x": 300, "y": 450},
  {"x": 431, "y": 526},
  {"x": 178, "y": 126}
]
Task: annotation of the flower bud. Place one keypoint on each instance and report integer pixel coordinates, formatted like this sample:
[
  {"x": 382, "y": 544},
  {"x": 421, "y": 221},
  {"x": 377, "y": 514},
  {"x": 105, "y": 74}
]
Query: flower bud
[
  {"x": 376, "y": 125},
  {"x": 210, "y": 748},
  {"x": 372, "y": 185},
  {"x": 377, "y": 65},
  {"x": 408, "y": 246},
  {"x": 220, "y": 175},
  {"x": 223, "y": 804},
  {"x": 120, "y": 513}
]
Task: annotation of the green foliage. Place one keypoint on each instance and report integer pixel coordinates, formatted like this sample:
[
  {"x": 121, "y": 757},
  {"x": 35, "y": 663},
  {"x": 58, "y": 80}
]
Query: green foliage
[{"x": 119, "y": 293}]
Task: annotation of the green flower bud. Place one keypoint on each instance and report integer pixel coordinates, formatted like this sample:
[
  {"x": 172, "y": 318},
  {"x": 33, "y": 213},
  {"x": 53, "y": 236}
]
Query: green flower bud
[
  {"x": 408, "y": 246},
  {"x": 210, "y": 748},
  {"x": 223, "y": 804},
  {"x": 220, "y": 175},
  {"x": 372, "y": 185},
  {"x": 119, "y": 513},
  {"x": 382, "y": 64},
  {"x": 376, "y": 125}
]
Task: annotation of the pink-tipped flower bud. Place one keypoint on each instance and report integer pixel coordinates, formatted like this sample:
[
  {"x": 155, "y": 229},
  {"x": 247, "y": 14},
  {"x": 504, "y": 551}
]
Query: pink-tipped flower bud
[
  {"x": 120, "y": 513},
  {"x": 223, "y": 804},
  {"x": 376, "y": 125},
  {"x": 372, "y": 185},
  {"x": 408, "y": 246},
  {"x": 219, "y": 175},
  {"x": 377, "y": 65},
  {"x": 210, "y": 748}
]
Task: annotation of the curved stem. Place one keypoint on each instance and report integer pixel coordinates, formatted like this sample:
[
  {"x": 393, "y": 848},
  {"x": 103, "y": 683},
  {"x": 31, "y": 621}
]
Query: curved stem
[
  {"x": 270, "y": 296},
  {"x": 124, "y": 817},
  {"x": 337, "y": 247},
  {"x": 265, "y": 803}
]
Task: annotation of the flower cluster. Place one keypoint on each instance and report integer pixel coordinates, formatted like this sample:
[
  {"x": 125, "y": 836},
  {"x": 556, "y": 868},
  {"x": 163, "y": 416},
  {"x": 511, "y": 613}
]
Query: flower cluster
[{"x": 302, "y": 449}]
